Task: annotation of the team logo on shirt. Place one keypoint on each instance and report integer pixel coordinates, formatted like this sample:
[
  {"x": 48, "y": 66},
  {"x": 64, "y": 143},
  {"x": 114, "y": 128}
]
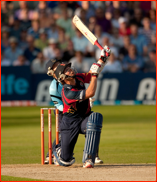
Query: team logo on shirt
[{"x": 71, "y": 110}]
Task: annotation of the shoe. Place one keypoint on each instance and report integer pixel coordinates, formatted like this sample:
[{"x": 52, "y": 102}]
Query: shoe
[
  {"x": 55, "y": 161},
  {"x": 98, "y": 160},
  {"x": 47, "y": 160},
  {"x": 88, "y": 164}
]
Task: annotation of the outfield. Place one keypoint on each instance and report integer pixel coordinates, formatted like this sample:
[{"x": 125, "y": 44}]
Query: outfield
[{"x": 128, "y": 135}]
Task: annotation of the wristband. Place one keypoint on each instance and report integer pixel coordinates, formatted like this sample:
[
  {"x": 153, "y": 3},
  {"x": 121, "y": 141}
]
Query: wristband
[
  {"x": 104, "y": 59},
  {"x": 94, "y": 75}
]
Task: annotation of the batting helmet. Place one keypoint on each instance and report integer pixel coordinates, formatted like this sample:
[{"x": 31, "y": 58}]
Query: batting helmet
[{"x": 60, "y": 71}]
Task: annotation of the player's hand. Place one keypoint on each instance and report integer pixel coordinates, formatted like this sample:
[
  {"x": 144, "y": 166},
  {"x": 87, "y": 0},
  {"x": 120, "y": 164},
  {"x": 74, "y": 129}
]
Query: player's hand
[
  {"x": 105, "y": 53},
  {"x": 95, "y": 68}
]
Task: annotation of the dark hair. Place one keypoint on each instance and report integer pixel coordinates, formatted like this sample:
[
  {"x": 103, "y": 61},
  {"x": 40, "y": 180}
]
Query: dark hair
[
  {"x": 79, "y": 52},
  {"x": 133, "y": 24},
  {"x": 152, "y": 51}
]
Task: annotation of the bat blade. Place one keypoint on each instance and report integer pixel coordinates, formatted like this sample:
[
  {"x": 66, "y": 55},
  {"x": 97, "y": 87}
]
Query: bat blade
[{"x": 85, "y": 31}]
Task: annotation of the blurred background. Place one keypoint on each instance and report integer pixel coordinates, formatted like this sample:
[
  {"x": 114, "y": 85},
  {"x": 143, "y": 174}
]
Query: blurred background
[{"x": 33, "y": 32}]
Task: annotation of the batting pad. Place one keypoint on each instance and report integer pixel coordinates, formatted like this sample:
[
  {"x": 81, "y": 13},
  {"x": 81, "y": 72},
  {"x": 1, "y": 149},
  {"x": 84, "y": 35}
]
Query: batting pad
[{"x": 93, "y": 132}]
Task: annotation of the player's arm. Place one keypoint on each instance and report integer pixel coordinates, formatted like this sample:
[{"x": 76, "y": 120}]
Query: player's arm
[
  {"x": 90, "y": 92},
  {"x": 55, "y": 93},
  {"x": 96, "y": 68},
  {"x": 105, "y": 54}
]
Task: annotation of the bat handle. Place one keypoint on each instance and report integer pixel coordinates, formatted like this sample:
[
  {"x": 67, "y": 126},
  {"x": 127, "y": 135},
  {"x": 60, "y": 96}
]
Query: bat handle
[{"x": 98, "y": 45}]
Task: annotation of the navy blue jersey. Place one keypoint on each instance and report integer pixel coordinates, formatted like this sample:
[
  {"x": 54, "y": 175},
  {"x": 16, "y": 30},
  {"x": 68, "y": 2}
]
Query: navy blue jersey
[{"x": 73, "y": 97}]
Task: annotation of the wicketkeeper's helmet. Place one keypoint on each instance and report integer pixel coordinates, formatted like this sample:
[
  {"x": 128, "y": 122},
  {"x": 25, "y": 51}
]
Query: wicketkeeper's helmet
[{"x": 49, "y": 66}]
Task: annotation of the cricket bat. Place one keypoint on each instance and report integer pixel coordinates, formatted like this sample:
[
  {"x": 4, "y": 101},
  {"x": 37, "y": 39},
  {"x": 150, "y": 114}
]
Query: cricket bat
[{"x": 86, "y": 32}]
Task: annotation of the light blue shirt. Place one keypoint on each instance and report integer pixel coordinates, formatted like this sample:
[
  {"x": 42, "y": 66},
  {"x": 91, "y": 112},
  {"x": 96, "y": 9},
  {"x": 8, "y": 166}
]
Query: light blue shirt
[
  {"x": 138, "y": 61},
  {"x": 12, "y": 56},
  {"x": 114, "y": 67},
  {"x": 80, "y": 44},
  {"x": 33, "y": 33},
  {"x": 140, "y": 41},
  {"x": 51, "y": 34},
  {"x": 55, "y": 90}
]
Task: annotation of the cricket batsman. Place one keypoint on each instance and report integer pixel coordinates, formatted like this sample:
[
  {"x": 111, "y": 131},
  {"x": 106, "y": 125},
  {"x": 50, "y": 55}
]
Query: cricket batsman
[{"x": 77, "y": 115}]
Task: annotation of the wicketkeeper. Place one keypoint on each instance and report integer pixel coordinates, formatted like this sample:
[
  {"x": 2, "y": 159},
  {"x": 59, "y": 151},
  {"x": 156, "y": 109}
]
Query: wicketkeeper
[{"x": 55, "y": 93}]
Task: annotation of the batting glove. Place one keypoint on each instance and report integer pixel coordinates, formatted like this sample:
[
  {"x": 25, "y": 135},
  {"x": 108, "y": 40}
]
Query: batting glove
[
  {"x": 95, "y": 69},
  {"x": 105, "y": 54}
]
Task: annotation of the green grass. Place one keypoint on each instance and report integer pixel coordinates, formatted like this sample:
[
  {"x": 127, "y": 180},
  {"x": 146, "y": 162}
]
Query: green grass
[
  {"x": 128, "y": 135},
  {"x": 11, "y": 178}
]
